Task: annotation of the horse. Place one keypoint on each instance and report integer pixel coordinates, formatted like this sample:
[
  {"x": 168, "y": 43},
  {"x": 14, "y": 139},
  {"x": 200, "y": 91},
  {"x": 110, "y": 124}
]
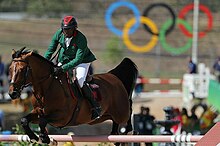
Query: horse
[{"x": 56, "y": 104}]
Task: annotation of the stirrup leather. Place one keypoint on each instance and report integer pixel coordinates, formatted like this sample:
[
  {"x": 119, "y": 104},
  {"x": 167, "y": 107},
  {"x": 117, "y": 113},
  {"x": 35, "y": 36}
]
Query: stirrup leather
[{"x": 96, "y": 112}]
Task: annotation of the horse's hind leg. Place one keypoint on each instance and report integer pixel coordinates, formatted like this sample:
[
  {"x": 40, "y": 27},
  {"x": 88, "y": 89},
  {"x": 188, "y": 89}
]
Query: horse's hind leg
[
  {"x": 25, "y": 124},
  {"x": 129, "y": 127},
  {"x": 115, "y": 131},
  {"x": 114, "y": 128}
]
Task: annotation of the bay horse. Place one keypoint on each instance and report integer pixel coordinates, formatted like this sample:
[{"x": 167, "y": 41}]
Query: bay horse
[{"x": 54, "y": 103}]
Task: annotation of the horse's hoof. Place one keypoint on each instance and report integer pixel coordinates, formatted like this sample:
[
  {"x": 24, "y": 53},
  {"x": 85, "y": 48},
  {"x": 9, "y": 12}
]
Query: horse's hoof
[
  {"x": 128, "y": 128},
  {"x": 53, "y": 142},
  {"x": 33, "y": 141},
  {"x": 117, "y": 144},
  {"x": 33, "y": 138},
  {"x": 44, "y": 138},
  {"x": 135, "y": 133}
]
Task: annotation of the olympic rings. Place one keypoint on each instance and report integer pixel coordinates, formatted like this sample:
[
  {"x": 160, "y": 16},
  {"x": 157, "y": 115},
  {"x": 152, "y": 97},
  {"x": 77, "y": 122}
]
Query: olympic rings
[
  {"x": 131, "y": 26},
  {"x": 175, "y": 51},
  {"x": 146, "y": 11},
  {"x": 203, "y": 8},
  {"x": 114, "y": 6},
  {"x": 147, "y": 47}
]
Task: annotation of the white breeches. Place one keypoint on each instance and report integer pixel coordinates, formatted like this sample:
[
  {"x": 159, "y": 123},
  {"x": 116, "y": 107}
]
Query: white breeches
[{"x": 81, "y": 73}]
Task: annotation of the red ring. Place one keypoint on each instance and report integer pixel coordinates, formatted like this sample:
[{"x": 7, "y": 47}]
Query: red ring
[{"x": 203, "y": 8}]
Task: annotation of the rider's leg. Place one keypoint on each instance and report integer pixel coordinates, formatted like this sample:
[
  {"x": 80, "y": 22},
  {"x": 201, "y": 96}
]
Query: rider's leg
[
  {"x": 96, "y": 109},
  {"x": 81, "y": 73}
]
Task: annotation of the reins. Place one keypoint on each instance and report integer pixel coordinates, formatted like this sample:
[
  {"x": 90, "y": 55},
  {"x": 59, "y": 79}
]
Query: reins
[
  {"x": 37, "y": 95},
  {"x": 23, "y": 85}
]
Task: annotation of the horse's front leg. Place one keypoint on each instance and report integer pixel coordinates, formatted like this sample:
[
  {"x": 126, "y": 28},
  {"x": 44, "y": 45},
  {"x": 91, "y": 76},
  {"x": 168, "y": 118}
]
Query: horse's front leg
[
  {"x": 43, "y": 132},
  {"x": 25, "y": 124}
]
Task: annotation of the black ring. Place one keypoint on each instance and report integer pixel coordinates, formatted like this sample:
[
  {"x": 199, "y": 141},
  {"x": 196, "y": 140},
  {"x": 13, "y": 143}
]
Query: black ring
[{"x": 146, "y": 11}]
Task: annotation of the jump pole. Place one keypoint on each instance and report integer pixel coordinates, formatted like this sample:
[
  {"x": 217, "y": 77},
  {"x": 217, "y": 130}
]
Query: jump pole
[{"x": 109, "y": 138}]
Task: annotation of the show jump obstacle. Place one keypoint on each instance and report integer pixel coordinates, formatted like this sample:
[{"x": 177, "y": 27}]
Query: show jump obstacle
[
  {"x": 109, "y": 138},
  {"x": 211, "y": 138}
]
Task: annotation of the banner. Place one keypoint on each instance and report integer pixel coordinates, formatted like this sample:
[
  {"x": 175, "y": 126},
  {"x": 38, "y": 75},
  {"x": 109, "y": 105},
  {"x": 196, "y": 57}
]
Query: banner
[{"x": 214, "y": 94}]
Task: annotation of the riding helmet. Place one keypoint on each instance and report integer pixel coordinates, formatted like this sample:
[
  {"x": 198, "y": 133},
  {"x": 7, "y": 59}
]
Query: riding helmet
[{"x": 68, "y": 22}]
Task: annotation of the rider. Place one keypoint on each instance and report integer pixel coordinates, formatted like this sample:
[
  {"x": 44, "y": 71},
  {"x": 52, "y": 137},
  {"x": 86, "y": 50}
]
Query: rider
[{"x": 73, "y": 53}]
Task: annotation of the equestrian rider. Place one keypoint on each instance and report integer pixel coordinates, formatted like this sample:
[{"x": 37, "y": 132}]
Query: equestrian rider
[{"x": 73, "y": 54}]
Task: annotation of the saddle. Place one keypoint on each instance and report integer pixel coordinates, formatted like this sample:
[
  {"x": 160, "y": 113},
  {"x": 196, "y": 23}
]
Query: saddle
[
  {"x": 75, "y": 89},
  {"x": 76, "y": 93}
]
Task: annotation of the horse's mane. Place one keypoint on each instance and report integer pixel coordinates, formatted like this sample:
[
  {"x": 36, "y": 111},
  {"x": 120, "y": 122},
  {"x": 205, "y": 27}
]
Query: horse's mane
[
  {"x": 35, "y": 55},
  {"x": 42, "y": 58}
]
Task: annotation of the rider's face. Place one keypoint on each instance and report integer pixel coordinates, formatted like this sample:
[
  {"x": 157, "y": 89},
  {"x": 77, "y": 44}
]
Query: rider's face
[{"x": 68, "y": 32}]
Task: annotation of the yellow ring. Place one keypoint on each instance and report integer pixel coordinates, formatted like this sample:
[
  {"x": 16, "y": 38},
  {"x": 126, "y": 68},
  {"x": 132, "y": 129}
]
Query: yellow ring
[{"x": 148, "y": 46}]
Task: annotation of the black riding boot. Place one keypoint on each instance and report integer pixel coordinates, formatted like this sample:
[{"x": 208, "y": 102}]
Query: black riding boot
[{"x": 96, "y": 108}]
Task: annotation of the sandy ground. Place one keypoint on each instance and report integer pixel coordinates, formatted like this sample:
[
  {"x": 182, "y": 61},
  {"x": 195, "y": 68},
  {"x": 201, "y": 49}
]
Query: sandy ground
[{"x": 156, "y": 106}]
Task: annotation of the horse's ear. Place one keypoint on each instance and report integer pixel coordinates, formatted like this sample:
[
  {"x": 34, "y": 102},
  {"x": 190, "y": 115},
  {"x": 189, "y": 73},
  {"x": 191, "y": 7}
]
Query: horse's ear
[
  {"x": 16, "y": 54},
  {"x": 22, "y": 49},
  {"x": 30, "y": 53},
  {"x": 13, "y": 54}
]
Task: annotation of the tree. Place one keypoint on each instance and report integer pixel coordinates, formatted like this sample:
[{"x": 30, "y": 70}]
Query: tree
[
  {"x": 49, "y": 8},
  {"x": 12, "y": 5},
  {"x": 114, "y": 52}
]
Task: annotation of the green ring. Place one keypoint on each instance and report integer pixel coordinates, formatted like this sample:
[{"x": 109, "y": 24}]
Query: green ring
[{"x": 162, "y": 37}]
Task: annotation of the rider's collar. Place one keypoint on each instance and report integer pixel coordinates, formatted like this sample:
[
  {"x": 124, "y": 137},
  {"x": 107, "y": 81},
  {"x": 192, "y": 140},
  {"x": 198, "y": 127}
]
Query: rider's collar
[{"x": 75, "y": 33}]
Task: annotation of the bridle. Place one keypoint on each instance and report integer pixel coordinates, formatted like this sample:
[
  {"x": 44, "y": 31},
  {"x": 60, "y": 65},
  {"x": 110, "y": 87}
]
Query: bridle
[{"x": 23, "y": 82}]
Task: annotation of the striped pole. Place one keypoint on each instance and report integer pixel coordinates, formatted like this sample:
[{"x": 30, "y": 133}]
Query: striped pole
[
  {"x": 160, "y": 81},
  {"x": 109, "y": 138}
]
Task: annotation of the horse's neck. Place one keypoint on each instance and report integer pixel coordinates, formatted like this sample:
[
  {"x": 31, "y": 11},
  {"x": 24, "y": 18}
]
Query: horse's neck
[
  {"x": 40, "y": 72},
  {"x": 40, "y": 68}
]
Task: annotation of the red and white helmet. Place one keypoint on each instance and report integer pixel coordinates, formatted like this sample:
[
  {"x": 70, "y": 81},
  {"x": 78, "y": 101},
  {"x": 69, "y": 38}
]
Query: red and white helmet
[{"x": 68, "y": 22}]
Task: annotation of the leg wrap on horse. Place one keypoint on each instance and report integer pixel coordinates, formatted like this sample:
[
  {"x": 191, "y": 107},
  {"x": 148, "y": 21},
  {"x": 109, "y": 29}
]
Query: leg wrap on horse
[
  {"x": 96, "y": 109},
  {"x": 28, "y": 131},
  {"x": 24, "y": 122}
]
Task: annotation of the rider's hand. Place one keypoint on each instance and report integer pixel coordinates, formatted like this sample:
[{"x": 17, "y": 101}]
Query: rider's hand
[{"x": 58, "y": 70}]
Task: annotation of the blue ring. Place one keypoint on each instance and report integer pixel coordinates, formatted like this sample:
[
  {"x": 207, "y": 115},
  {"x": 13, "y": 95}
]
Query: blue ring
[{"x": 112, "y": 8}]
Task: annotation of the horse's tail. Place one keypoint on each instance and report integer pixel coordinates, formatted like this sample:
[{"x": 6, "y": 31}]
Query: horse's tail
[{"x": 127, "y": 72}]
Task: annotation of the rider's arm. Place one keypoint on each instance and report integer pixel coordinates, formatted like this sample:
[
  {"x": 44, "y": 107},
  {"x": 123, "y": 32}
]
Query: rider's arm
[{"x": 53, "y": 45}]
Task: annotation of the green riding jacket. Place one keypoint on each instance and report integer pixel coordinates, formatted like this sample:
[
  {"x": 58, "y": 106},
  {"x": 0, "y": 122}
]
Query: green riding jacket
[{"x": 77, "y": 52}]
